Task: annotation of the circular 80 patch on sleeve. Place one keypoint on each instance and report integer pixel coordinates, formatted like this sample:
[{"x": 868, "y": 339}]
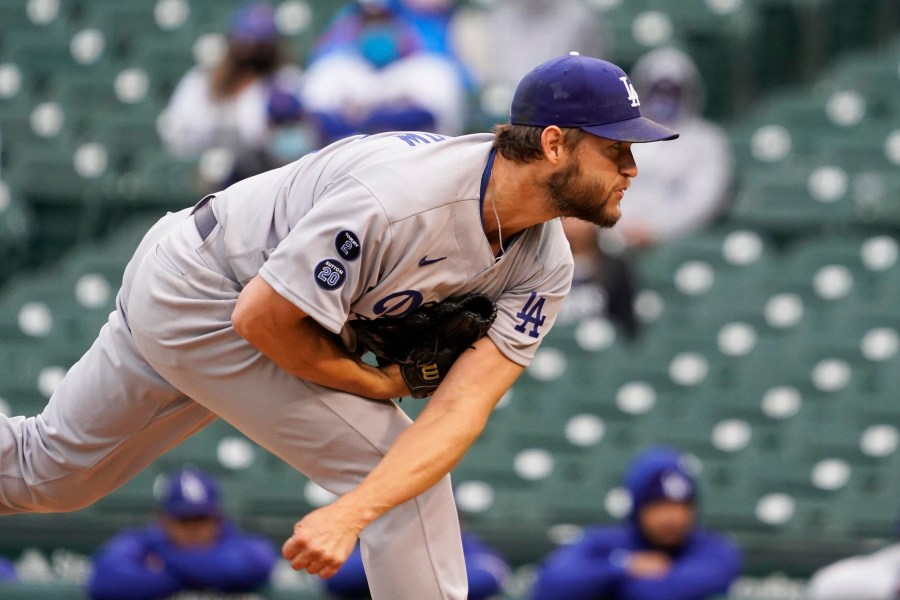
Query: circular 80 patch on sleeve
[{"x": 330, "y": 274}]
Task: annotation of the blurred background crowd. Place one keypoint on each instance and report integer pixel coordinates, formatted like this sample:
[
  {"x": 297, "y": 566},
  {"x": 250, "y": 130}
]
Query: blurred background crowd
[{"x": 715, "y": 414}]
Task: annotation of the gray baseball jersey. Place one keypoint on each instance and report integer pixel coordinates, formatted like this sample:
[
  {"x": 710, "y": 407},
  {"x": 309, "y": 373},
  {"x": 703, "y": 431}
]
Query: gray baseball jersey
[
  {"x": 376, "y": 226},
  {"x": 367, "y": 227}
]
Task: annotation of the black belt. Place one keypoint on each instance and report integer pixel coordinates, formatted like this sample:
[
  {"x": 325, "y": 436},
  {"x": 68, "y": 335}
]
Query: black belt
[{"x": 205, "y": 219}]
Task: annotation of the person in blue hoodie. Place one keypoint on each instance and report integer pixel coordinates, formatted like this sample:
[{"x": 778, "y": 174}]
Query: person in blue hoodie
[
  {"x": 657, "y": 554},
  {"x": 8, "y": 572},
  {"x": 192, "y": 546}
]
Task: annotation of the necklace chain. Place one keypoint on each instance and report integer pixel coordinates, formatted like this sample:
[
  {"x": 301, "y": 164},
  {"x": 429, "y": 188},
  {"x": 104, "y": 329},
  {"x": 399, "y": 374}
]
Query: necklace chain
[{"x": 496, "y": 216}]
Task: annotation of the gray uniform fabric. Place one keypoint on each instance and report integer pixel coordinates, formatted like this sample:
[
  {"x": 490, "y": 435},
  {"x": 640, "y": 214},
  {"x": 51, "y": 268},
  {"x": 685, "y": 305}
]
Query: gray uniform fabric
[{"x": 366, "y": 227}]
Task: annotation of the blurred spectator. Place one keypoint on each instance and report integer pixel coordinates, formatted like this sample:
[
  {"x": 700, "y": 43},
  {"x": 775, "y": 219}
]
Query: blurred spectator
[
  {"x": 240, "y": 102},
  {"x": 8, "y": 571},
  {"x": 371, "y": 72},
  {"x": 602, "y": 285},
  {"x": 503, "y": 44},
  {"x": 658, "y": 553},
  {"x": 485, "y": 568},
  {"x": 192, "y": 546},
  {"x": 431, "y": 19},
  {"x": 873, "y": 576},
  {"x": 434, "y": 21},
  {"x": 685, "y": 185}
]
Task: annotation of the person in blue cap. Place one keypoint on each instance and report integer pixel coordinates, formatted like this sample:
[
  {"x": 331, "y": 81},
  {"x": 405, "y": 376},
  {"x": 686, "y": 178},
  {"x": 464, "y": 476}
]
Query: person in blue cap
[
  {"x": 658, "y": 553},
  {"x": 191, "y": 547}
]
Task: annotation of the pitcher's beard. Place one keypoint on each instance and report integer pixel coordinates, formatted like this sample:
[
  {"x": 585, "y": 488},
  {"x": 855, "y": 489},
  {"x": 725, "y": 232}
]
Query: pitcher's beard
[{"x": 571, "y": 195}]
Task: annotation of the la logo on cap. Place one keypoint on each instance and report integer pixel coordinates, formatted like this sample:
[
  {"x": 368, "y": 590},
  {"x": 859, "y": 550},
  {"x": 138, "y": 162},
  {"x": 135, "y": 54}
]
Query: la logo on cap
[
  {"x": 193, "y": 489},
  {"x": 575, "y": 91},
  {"x": 676, "y": 486},
  {"x": 632, "y": 93}
]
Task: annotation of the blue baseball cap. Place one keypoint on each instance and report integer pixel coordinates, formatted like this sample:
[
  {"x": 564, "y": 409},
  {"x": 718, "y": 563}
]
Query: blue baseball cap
[
  {"x": 190, "y": 494},
  {"x": 254, "y": 22},
  {"x": 659, "y": 473},
  {"x": 586, "y": 93}
]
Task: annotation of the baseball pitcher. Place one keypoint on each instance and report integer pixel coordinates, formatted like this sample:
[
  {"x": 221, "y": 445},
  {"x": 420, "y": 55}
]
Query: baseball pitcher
[{"x": 442, "y": 256}]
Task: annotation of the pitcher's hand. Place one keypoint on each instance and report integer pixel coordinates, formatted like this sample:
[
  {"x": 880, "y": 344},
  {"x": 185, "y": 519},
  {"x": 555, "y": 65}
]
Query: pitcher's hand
[{"x": 322, "y": 541}]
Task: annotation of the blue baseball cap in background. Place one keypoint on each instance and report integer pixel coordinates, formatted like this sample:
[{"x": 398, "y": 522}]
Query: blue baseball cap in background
[
  {"x": 254, "y": 22},
  {"x": 587, "y": 93},
  {"x": 190, "y": 494}
]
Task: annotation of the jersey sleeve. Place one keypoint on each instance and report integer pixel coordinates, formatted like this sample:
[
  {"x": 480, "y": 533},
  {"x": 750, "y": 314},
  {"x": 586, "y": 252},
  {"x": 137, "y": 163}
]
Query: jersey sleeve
[
  {"x": 527, "y": 310},
  {"x": 332, "y": 254}
]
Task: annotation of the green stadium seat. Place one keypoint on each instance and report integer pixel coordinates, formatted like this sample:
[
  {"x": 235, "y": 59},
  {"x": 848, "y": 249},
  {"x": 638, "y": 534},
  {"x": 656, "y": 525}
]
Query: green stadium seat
[
  {"x": 37, "y": 19},
  {"x": 40, "y": 57},
  {"x": 124, "y": 134},
  {"x": 204, "y": 450},
  {"x": 877, "y": 204},
  {"x": 851, "y": 25},
  {"x": 41, "y": 591},
  {"x": 279, "y": 496},
  {"x": 29, "y": 379},
  {"x": 730, "y": 510},
  {"x": 29, "y": 290},
  {"x": 722, "y": 43},
  {"x": 874, "y": 76},
  {"x": 802, "y": 114},
  {"x": 82, "y": 95},
  {"x": 21, "y": 140},
  {"x": 870, "y": 501},
  {"x": 490, "y": 459},
  {"x": 166, "y": 63},
  {"x": 572, "y": 502},
  {"x": 213, "y": 16},
  {"x": 15, "y": 231},
  {"x": 724, "y": 247},
  {"x": 67, "y": 206},
  {"x": 804, "y": 260},
  {"x": 784, "y": 48},
  {"x": 125, "y": 22},
  {"x": 15, "y": 95},
  {"x": 782, "y": 204},
  {"x": 158, "y": 182}
]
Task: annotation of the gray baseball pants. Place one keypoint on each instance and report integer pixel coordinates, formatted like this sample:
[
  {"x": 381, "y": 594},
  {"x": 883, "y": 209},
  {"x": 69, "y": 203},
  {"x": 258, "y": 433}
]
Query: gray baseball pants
[{"x": 168, "y": 363}]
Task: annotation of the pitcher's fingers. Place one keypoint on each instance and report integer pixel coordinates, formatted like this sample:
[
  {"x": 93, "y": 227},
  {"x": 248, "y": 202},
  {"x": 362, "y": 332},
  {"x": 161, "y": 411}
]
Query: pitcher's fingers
[
  {"x": 323, "y": 567},
  {"x": 291, "y": 547},
  {"x": 329, "y": 571},
  {"x": 303, "y": 560}
]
